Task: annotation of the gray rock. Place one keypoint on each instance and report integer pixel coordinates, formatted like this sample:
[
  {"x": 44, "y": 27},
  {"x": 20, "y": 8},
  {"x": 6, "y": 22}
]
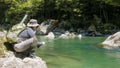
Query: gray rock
[
  {"x": 50, "y": 35},
  {"x": 112, "y": 42},
  {"x": 10, "y": 61}
]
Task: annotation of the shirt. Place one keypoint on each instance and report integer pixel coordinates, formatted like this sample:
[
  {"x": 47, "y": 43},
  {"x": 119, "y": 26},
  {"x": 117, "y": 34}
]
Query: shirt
[{"x": 27, "y": 33}]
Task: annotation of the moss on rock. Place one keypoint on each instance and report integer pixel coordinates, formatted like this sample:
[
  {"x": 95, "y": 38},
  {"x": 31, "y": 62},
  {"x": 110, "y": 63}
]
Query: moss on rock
[
  {"x": 14, "y": 31},
  {"x": 2, "y": 47}
]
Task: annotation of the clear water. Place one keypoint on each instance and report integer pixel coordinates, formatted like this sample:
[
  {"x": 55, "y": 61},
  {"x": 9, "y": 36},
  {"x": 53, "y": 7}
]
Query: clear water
[{"x": 76, "y": 53}]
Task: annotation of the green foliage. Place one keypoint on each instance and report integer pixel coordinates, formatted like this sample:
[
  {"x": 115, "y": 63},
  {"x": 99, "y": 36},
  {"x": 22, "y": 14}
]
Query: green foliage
[
  {"x": 112, "y": 2},
  {"x": 75, "y": 13},
  {"x": 18, "y": 8}
]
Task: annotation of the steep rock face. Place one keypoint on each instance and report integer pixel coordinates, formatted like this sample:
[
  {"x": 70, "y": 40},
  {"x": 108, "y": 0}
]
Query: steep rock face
[
  {"x": 112, "y": 42},
  {"x": 43, "y": 27},
  {"x": 10, "y": 61},
  {"x": 46, "y": 26}
]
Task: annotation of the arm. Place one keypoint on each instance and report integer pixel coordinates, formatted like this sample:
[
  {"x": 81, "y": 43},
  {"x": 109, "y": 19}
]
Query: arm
[{"x": 30, "y": 32}]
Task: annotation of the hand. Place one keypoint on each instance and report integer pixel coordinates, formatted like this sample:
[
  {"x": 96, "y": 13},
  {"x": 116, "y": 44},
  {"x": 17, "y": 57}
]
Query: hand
[
  {"x": 40, "y": 44},
  {"x": 43, "y": 43}
]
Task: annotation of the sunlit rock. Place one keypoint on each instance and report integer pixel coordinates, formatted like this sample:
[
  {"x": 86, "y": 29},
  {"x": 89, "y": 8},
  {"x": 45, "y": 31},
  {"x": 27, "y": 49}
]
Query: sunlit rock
[
  {"x": 2, "y": 47},
  {"x": 3, "y": 34},
  {"x": 46, "y": 26},
  {"x": 14, "y": 31},
  {"x": 72, "y": 35},
  {"x": 112, "y": 42},
  {"x": 65, "y": 36},
  {"x": 2, "y": 40},
  {"x": 79, "y": 36},
  {"x": 10, "y": 61},
  {"x": 43, "y": 27},
  {"x": 50, "y": 36}
]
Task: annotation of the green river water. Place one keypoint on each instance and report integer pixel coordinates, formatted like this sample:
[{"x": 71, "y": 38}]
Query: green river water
[{"x": 76, "y": 53}]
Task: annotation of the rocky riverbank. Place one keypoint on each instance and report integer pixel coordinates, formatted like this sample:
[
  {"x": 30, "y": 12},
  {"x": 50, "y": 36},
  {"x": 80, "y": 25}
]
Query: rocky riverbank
[{"x": 9, "y": 60}]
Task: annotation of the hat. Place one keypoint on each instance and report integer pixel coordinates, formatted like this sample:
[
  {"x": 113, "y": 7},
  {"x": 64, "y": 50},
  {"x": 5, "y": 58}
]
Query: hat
[{"x": 32, "y": 23}]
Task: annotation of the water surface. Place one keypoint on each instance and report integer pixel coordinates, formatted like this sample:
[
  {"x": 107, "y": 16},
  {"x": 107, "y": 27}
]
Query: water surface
[{"x": 76, "y": 53}]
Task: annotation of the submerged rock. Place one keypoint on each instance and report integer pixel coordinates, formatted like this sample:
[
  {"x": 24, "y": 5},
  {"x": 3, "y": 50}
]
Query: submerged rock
[{"x": 112, "y": 42}]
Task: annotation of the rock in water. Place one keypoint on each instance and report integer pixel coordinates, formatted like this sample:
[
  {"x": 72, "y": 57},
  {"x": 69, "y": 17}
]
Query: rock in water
[
  {"x": 112, "y": 42},
  {"x": 79, "y": 36},
  {"x": 50, "y": 35},
  {"x": 10, "y": 61}
]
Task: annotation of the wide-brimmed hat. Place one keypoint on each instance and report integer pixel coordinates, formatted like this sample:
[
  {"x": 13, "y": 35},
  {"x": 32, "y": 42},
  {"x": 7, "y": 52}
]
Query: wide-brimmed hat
[{"x": 32, "y": 23}]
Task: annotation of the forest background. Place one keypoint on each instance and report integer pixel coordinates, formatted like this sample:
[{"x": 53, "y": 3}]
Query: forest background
[{"x": 104, "y": 15}]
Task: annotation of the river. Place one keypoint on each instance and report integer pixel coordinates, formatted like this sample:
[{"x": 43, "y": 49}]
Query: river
[{"x": 76, "y": 53}]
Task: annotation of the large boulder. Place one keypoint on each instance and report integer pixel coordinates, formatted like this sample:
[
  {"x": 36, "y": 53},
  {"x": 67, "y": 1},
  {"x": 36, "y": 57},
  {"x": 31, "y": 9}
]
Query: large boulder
[
  {"x": 46, "y": 26},
  {"x": 10, "y": 61},
  {"x": 112, "y": 42},
  {"x": 43, "y": 27}
]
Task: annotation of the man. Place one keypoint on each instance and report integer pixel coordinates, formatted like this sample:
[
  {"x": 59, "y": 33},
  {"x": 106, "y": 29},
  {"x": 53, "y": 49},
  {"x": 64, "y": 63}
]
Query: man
[{"x": 25, "y": 46}]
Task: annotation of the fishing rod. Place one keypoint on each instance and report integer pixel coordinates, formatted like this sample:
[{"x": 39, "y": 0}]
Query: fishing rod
[
  {"x": 17, "y": 25},
  {"x": 24, "y": 18}
]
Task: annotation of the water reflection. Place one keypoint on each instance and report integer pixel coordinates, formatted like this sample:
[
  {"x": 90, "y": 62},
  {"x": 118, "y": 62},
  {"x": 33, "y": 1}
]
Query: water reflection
[
  {"x": 49, "y": 43},
  {"x": 75, "y": 53},
  {"x": 113, "y": 53}
]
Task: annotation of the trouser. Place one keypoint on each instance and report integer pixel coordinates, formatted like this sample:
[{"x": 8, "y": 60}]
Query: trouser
[
  {"x": 25, "y": 48},
  {"x": 24, "y": 45},
  {"x": 28, "y": 53}
]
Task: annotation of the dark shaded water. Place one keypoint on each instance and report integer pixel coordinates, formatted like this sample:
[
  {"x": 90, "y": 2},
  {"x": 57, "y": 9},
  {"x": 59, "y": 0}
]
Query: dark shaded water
[{"x": 76, "y": 53}]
